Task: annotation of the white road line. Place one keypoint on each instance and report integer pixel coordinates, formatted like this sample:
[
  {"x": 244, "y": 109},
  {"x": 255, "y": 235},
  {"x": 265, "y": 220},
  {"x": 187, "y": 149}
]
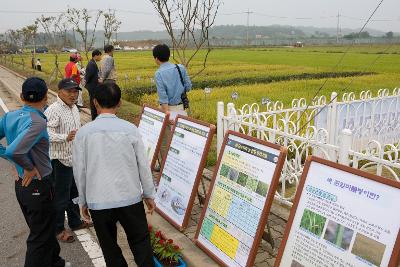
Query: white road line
[
  {"x": 91, "y": 247},
  {"x": 3, "y": 106}
]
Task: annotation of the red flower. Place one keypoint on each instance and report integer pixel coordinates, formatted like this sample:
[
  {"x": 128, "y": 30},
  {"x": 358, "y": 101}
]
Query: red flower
[
  {"x": 170, "y": 241},
  {"x": 158, "y": 234},
  {"x": 176, "y": 247},
  {"x": 150, "y": 228},
  {"x": 161, "y": 242}
]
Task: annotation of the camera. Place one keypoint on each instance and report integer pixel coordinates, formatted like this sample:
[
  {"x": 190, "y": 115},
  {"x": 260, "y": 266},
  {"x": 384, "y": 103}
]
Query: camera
[{"x": 185, "y": 100}]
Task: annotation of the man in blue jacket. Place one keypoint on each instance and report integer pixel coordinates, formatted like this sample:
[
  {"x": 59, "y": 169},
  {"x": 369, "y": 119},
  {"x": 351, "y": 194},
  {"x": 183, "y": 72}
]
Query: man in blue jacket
[{"x": 28, "y": 148}]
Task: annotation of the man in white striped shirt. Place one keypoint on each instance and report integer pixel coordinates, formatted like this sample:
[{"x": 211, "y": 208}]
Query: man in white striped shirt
[{"x": 63, "y": 122}]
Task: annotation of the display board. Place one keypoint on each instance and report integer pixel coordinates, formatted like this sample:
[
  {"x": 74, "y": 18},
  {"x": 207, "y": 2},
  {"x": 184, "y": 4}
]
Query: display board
[
  {"x": 342, "y": 217},
  {"x": 152, "y": 125},
  {"x": 240, "y": 197},
  {"x": 182, "y": 169}
]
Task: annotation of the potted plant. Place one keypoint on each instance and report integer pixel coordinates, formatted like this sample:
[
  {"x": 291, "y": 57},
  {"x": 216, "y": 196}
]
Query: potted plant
[{"x": 166, "y": 253}]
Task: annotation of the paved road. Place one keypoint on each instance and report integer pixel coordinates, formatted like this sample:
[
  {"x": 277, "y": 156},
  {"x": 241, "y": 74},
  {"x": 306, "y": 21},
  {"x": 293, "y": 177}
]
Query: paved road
[{"x": 14, "y": 231}]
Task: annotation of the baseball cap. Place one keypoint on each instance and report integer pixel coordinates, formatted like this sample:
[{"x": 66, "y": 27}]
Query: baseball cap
[
  {"x": 68, "y": 83},
  {"x": 34, "y": 89}
]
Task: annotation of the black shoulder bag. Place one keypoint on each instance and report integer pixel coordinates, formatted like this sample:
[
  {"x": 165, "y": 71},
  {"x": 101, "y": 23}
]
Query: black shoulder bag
[{"x": 184, "y": 98}]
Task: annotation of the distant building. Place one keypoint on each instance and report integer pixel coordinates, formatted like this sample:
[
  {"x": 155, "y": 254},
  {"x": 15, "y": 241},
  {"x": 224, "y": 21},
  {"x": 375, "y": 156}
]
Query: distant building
[{"x": 138, "y": 45}]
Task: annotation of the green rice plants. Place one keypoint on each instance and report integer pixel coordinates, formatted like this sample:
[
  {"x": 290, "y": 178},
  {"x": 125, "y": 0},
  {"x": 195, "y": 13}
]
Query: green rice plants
[
  {"x": 338, "y": 235},
  {"x": 252, "y": 184},
  {"x": 312, "y": 222}
]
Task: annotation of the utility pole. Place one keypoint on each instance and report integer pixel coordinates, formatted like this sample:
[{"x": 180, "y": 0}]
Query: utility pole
[
  {"x": 248, "y": 20},
  {"x": 73, "y": 32},
  {"x": 337, "y": 28}
]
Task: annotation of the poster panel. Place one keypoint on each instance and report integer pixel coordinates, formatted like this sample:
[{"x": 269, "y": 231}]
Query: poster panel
[
  {"x": 152, "y": 125},
  {"x": 239, "y": 200},
  {"x": 182, "y": 169},
  {"x": 342, "y": 217}
]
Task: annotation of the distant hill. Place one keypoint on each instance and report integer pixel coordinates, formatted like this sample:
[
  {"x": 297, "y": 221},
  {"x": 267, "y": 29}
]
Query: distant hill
[
  {"x": 240, "y": 32},
  {"x": 309, "y": 31},
  {"x": 232, "y": 32}
]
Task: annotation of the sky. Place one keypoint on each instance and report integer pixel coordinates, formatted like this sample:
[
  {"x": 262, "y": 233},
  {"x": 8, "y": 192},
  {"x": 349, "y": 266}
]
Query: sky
[{"x": 140, "y": 14}]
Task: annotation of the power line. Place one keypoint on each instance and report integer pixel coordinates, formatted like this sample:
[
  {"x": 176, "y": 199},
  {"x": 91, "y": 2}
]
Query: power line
[
  {"x": 29, "y": 12},
  {"x": 221, "y": 14},
  {"x": 309, "y": 18},
  {"x": 60, "y": 12},
  {"x": 334, "y": 68},
  {"x": 248, "y": 20},
  {"x": 344, "y": 89},
  {"x": 134, "y": 12},
  {"x": 337, "y": 29}
]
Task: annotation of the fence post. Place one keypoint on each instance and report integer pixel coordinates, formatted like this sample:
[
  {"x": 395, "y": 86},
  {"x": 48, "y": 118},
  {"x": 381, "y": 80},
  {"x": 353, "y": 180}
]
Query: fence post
[
  {"x": 230, "y": 110},
  {"x": 220, "y": 125},
  {"x": 345, "y": 146},
  {"x": 331, "y": 119},
  {"x": 331, "y": 123}
]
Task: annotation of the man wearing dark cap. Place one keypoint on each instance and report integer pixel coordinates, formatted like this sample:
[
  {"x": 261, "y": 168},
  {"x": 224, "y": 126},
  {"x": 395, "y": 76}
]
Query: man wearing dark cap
[
  {"x": 28, "y": 148},
  {"x": 63, "y": 122}
]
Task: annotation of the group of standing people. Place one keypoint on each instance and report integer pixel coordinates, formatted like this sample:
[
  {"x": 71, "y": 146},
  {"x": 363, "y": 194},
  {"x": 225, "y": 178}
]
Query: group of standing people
[
  {"x": 36, "y": 65},
  {"x": 98, "y": 172},
  {"x": 91, "y": 76}
]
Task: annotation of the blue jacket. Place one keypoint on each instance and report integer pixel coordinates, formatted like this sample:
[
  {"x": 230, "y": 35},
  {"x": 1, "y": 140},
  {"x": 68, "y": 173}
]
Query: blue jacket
[
  {"x": 169, "y": 84},
  {"x": 28, "y": 141}
]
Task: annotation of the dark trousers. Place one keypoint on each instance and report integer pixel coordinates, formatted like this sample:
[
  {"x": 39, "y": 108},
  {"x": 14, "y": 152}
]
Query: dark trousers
[
  {"x": 93, "y": 110},
  {"x": 65, "y": 191},
  {"x": 36, "y": 202},
  {"x": 133, "y": 220}
]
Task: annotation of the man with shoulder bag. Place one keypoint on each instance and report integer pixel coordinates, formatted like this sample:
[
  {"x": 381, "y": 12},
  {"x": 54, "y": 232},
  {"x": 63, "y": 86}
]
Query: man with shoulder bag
[{"x": 172, "y": 83}]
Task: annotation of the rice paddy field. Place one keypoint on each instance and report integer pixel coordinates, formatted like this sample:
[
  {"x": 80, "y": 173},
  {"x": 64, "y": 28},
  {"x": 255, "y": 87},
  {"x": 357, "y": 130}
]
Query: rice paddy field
[{"x": 279, "y": 73}]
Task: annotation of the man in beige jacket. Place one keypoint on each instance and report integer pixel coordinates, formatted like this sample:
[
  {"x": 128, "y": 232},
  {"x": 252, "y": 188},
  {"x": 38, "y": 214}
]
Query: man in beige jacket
[{"x": 107, "y": 66}]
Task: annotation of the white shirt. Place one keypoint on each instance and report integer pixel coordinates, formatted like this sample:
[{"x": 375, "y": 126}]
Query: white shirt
[
  {"x": 62, "y": 119},
  {"x": 110, "y": 165}
]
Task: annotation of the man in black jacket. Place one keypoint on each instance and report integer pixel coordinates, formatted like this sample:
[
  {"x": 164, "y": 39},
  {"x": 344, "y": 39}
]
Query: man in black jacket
[{"x": 92, "y": 79}]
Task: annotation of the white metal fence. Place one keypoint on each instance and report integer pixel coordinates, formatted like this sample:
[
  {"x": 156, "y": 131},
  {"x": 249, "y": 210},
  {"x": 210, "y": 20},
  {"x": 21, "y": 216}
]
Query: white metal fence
[{"x": 351, "y": 132}]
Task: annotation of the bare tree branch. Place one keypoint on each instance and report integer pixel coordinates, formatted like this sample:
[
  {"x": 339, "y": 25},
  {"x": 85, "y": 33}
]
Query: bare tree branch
[
  {"x": 111, "y": 24},
  {"x": 188, "y": 22},
  {"x": 81, "y": 21},
  {"x": 55, "y": 31}
]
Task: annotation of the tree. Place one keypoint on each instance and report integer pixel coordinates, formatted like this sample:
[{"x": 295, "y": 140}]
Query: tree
[
  {"x": 82, "y": 21},
  {"x": 16, "y": 38},
  {"x": 354, "y": 35},
  {"x": 389, "y": 35},
  {"x": 187, "y": 23},
  {"x": 55, "y": 30},
  {"x": 29, "y": 34},
  {"x": 111, "y": 24}
]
